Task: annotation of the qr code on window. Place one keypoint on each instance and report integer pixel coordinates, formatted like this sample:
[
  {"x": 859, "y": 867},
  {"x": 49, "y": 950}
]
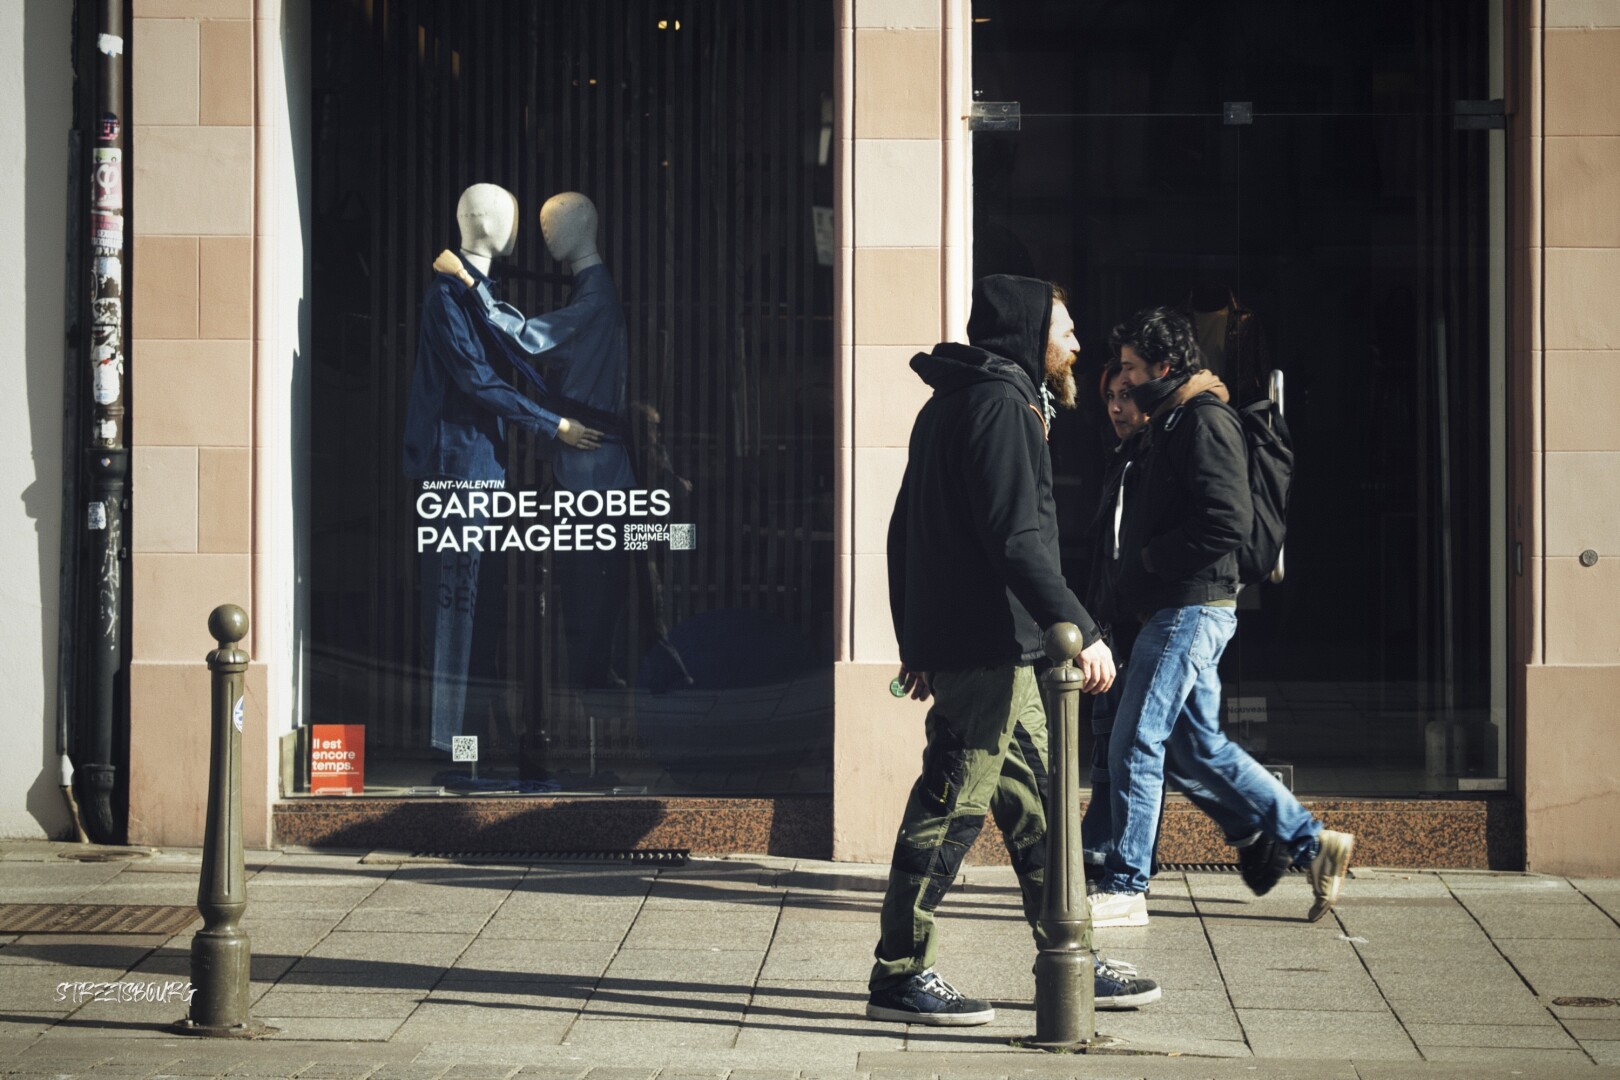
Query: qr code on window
[
  {"x": 683, "y": 537},
  {"x": 463, "y": 748}
]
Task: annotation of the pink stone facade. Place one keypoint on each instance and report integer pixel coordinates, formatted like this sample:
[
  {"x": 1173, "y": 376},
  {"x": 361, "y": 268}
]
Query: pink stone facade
[{"x": 213, "y": 433}]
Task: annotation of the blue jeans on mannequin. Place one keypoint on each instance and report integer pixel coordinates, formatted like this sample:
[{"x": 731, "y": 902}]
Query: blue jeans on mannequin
[{"x": 1169, "y": 724}]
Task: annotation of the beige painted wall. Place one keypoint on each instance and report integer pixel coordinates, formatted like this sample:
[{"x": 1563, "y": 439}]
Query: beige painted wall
[
  {"x": 1568, "y": 252},
  {"x": 36, "y": 82}
]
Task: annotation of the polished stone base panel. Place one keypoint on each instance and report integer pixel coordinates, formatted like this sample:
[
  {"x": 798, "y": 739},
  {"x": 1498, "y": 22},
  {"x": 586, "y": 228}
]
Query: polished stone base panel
[
  {"x": 1478, "y": 834},
  {"x": 790, "y": 826},
  {"x": 1456, "y": 834}
]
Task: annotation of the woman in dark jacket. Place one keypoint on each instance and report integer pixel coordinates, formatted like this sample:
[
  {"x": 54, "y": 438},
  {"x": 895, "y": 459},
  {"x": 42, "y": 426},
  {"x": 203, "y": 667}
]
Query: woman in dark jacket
[{"x": 1102, "y": 575}]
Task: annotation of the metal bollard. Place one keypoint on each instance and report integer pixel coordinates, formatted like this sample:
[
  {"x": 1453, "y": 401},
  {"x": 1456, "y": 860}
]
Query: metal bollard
[
  {"x": 220, "y": 956},
  {"x": 1065, "y": 1017}
]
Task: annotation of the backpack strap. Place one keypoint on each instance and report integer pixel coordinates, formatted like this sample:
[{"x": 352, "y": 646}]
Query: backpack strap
[{"x": 1046, "y": 432}]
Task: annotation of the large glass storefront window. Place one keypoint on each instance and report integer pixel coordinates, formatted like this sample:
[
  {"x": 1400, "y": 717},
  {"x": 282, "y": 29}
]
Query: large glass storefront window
[
  {"x": 1319, "y": 187},
  {"x": 638, "y": 601}
]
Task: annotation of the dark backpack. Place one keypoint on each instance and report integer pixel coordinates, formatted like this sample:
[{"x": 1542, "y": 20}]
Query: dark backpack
[{"x": 1271, "y": 474}]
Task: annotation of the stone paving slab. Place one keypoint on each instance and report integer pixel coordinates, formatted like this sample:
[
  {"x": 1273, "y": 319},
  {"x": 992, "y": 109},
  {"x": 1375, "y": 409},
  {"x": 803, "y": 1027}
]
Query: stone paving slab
[
  {"x": 371, "y": 920},
  {"x": 1567, "y": 968},
  {"x": 1287, "y": 1033},
  {"x": 527, "y": 959},
  {"x": 1506, "y": 1036}
]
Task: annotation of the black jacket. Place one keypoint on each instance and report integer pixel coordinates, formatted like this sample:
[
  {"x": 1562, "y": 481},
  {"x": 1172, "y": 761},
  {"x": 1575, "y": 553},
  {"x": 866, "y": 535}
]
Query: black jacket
[
  {"x": 974, "y": 575},
  {"x": 1102, "y": 554},
  {"x": 1187, "y": 507}
]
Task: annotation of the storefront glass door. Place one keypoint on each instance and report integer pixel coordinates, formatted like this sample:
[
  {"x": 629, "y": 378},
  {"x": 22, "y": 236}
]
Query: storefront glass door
[{"x": 1320, "y": 189}]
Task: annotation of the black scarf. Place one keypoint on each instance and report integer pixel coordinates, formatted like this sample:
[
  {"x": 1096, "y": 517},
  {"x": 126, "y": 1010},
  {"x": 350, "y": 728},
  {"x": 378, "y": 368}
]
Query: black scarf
[{"x": 1150, "y": 395}]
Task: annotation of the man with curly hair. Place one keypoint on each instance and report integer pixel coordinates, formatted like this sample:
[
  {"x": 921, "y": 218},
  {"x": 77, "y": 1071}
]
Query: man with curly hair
[{"x": 1187, "y": 510}]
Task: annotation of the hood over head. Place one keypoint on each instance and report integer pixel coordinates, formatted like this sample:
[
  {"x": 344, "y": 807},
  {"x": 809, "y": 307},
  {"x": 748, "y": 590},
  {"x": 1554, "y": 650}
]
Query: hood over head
[{"x": 1011, "y": 318}]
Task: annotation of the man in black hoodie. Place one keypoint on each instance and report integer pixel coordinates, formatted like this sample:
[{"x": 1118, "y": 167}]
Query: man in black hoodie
[
  {"x": 1187, "y": 510},
  {"x": 974, "y": 580}
]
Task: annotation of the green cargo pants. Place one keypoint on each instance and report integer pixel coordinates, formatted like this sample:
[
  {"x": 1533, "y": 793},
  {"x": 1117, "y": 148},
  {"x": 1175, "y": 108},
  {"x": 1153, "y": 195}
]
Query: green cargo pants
[{"x": 986, "y": 752}]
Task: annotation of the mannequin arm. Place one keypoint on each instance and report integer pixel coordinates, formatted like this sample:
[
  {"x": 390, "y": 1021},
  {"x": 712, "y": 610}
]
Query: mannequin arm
[
  {"x": 448, "y": 332},
  {"x": 548, "y": 338}
]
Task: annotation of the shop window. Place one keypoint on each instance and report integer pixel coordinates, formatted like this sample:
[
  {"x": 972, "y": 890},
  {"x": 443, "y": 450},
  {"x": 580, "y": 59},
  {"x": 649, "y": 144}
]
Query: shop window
[{"x": 653, "y": 615}]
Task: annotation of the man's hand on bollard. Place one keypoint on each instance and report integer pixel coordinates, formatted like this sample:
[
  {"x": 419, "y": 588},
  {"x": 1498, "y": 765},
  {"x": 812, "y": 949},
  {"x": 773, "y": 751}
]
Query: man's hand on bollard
[
  {"x": 916, "y": 683},
  {"x": 1096, "y": 665}
]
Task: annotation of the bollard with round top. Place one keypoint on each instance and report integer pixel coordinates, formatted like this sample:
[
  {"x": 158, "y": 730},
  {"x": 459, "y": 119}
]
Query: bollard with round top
[
  {"x": 220, "y": 955},
  {"x": 1064, "y": 1005}
]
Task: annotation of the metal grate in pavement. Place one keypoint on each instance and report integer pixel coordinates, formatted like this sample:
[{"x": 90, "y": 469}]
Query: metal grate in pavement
[
  {"x": 95, "y": 918},
  {"x": 1210, "y": 868},
  {"x": 645, "y": 857}
]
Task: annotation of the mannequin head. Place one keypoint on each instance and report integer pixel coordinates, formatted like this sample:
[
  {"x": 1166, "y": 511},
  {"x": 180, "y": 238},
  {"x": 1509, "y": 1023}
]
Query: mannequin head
[
  {"x": 487, "y": 214},
  {"x": 568, "y": 222}
]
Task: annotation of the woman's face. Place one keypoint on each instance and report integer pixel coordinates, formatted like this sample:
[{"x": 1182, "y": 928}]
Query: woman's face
[{"x": 1122, "y": 411}]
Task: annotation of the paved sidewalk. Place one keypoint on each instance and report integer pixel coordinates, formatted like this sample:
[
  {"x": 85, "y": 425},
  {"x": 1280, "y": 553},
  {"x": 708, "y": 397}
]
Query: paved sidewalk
[{"x": 754, "y": 968}]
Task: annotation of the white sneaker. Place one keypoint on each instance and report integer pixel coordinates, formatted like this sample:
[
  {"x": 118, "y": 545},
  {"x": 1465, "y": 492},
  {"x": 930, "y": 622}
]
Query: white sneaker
[
  {"x": 1118, "y": 909},
  {"x": 1327, "y": 871}
]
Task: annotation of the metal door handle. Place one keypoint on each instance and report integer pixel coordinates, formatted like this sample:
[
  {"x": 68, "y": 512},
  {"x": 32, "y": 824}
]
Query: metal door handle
[{"x": 1274, "y": 390}]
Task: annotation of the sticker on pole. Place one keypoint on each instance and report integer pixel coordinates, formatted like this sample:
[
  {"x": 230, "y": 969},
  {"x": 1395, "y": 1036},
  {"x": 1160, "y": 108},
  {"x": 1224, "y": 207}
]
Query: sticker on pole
[
  {"x": 463, "y": 748},
  {"x": 236, "y": 715},
  {"x": 107, "y": 231},
  {"x": 107, "y": 181},
  {"x": 98, "y": 516}
]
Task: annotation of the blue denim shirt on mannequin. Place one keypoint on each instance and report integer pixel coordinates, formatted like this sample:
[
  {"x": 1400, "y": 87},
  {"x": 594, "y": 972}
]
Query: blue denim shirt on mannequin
[
  {"x": 584, "y": 347},
  {"x": 456, "y": 417}
]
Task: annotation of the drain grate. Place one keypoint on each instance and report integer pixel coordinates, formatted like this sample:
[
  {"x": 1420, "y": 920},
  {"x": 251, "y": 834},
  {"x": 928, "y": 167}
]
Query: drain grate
[
  {"x": 95, "y": 918},
  {"x": 1211, "y": 868},
  {"x": 644, "y": 857}
]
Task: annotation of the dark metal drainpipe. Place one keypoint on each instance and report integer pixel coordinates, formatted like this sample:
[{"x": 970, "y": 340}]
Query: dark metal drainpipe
[{"x": 107, "y": 458}]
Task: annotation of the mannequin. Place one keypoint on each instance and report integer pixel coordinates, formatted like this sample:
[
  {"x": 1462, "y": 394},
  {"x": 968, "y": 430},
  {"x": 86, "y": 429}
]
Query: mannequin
[
  {"x": 1230, "y": 337},
  {"x": 583, "y": 350},
  {"x": 455, "y": 429}
]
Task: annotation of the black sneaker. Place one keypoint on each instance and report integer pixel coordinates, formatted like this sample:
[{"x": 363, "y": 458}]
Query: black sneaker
[
  {"x": 929, "y": 999},
  {"x": 1118, "y": 986},
  {"x": 1262, "y": 864}
]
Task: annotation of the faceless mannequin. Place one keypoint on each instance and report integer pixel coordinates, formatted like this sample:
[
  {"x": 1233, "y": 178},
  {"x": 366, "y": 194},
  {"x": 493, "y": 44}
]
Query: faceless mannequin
[
  {"x": 568, "y": 222},
  {"x": 583, "y": 348},
  {"x": 487, "y": 214}
]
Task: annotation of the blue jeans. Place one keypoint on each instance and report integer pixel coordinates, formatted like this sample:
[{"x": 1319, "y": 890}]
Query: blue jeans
[
  {"x": 1097, "y": 824},
  {"x": 1168, "y": 725},
  {"x": 460, "y": 637}
]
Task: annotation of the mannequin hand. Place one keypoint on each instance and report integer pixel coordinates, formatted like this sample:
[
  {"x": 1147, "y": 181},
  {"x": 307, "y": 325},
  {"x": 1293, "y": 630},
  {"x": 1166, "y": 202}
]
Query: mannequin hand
[
  {"x": 1096, "y": 666},
  {"x": 577, "y": 435},
  {"x": 449, "y": 262}
]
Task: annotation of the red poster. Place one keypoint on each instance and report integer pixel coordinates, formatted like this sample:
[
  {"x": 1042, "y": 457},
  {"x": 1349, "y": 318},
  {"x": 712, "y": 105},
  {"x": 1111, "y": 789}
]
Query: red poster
[{"x": 337, "y": 759}]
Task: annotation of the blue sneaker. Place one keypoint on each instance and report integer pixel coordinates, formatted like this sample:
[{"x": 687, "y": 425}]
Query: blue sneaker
[
  {"x": 1118, "y": 986},
  {"x": 928, "y": 999}
]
